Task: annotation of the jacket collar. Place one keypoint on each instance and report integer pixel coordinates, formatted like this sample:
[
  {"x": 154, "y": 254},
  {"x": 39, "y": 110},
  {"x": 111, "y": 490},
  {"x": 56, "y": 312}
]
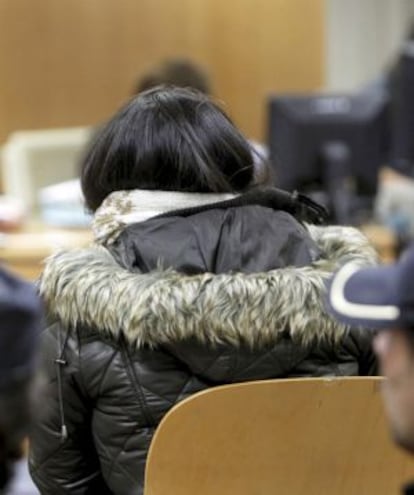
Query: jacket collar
[{"x": 123, "y": 208}]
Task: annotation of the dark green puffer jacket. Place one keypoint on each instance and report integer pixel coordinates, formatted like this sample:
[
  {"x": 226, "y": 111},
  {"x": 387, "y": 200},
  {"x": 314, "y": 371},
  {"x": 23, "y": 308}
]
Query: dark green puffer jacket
[{"x": 179, "y": 305}]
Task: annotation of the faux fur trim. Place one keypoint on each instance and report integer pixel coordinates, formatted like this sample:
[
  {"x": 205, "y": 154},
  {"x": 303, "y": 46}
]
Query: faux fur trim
[
  {"x": 340, "y": 244},
  {"x": 87, "y": 287}
]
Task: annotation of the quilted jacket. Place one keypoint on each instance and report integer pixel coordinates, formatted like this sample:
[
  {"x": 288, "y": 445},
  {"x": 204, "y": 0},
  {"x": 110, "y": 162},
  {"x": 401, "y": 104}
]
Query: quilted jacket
[{"x": 178, "y": 305}]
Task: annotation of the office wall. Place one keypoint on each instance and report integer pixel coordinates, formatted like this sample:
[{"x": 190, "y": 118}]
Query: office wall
[
  {"x": 362, "y": 38},
  {"x": 72, "y": 62}
]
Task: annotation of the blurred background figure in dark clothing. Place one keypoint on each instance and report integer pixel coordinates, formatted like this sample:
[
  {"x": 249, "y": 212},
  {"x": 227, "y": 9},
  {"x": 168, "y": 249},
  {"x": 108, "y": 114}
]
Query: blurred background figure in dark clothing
[{"x": 20, "y": 316}]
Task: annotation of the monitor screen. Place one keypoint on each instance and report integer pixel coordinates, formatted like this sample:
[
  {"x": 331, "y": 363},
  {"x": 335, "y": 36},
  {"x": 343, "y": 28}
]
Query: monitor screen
[
  {"x": 329, "y": 143},
  {"x": 402, "y": 153}
]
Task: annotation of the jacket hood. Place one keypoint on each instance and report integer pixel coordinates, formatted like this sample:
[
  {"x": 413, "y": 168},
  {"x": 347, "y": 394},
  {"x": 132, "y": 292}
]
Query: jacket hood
[
  {"x": 246, "y": 239},
  {"x": 89, "y": 287}
]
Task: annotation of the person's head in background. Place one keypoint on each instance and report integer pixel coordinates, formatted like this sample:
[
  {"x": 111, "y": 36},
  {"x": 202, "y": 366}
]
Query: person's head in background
[
  {"x": 179, "y": 72},
  {"x": 382, "y": 298},
  {"x": 168, "y": 139},
  {"x": 20, "y": 319}
]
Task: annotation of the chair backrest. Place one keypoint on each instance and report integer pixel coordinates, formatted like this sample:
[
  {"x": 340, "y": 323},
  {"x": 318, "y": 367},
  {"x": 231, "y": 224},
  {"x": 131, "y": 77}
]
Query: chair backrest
[{"x": 284, "y": 437}]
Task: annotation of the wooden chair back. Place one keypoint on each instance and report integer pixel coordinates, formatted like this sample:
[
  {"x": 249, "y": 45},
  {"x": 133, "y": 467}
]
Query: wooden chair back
[{"x": 285, "y": 437}]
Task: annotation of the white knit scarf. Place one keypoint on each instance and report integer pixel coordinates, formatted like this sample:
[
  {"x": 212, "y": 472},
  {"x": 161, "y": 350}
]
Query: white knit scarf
[{"x": 122, "y": 208}]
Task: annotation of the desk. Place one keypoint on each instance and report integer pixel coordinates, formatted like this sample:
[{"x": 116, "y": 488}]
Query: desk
[{"x": 23, "y": 252}]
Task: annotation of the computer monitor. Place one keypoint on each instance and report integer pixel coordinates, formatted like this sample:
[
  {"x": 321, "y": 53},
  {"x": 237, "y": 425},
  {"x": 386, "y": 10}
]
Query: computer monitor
[
  {"x": 330, "y": 147},
  {"x": 402, "y": 94},
  {"x": 31, "y": 160}
]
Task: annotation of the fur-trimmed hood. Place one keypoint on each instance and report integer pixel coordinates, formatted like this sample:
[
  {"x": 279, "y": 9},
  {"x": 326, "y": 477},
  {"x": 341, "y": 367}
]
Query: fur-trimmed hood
[{"x": 88, "y": 287}]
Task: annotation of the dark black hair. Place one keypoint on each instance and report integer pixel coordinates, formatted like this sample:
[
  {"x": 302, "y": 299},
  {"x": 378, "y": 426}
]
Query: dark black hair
[{"x": 171, "y": 139}]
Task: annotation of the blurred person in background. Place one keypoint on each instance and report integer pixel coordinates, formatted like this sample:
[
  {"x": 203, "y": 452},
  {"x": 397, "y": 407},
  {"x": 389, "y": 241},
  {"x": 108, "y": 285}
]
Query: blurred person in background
[
  {"x": 179, "y": 72},
  {"x": 394, "y": 205},
  {"x": 198, "y": 277},
  {"x": 382, "y": 298},
  {"x": 20, "y": 315}
]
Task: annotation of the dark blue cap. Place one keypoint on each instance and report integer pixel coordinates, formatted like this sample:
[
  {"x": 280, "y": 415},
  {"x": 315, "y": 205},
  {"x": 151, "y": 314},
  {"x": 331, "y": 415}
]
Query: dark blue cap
[
  {"x": 20, "y": 320},
  {"x": 375, "y": 297}
]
